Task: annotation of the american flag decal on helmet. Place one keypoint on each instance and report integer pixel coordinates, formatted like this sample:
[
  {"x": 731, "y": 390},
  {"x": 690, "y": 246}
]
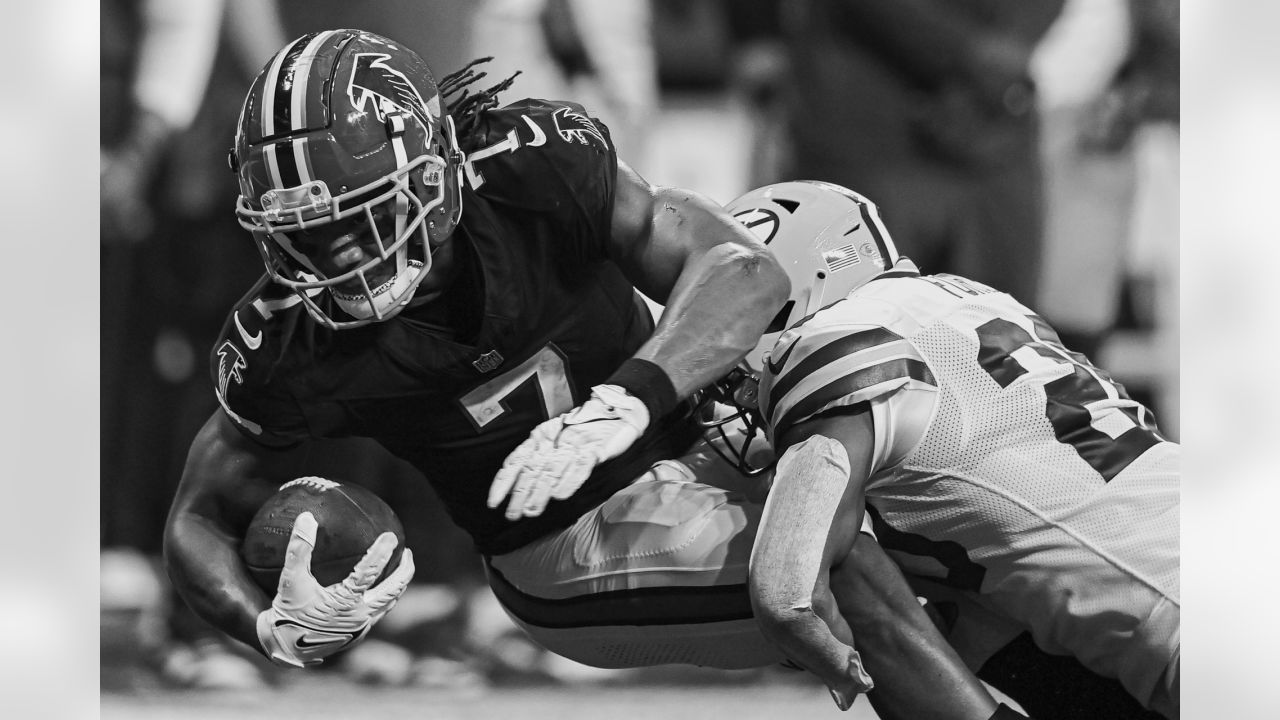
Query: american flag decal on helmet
[{"x": 841, "y": 258}]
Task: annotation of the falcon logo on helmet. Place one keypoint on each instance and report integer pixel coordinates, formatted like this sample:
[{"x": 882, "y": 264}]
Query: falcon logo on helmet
[{"x": 374, "y": 81}]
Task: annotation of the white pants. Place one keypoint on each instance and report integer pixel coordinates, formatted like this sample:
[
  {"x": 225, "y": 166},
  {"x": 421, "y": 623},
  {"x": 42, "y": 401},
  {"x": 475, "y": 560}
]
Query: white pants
[{"x": 655, "y": 575}]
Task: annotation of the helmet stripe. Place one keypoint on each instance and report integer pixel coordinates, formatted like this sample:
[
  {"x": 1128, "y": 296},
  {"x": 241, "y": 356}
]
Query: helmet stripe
[
  {"x": 302, "y": 76},
  {"x": 303, "y": 160},
  {"x": 850, "y": 349},
  {"x": 883, "y": 242},
  {"x": 287, "y": 163},
  {"x": 271, "y": 86},
  {"x": 273, "y": 165}
]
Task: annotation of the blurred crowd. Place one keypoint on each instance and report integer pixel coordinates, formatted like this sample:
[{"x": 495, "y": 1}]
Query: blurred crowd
[{"x": 1028, "y": 144}]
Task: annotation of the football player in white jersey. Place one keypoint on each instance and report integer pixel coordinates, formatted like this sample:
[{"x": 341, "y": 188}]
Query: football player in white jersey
[{"x": 1015, "y": 483}]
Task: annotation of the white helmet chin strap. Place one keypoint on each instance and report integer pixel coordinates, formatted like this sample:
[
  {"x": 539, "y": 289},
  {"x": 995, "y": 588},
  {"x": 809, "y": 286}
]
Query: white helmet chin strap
[{"x": 385, "y": 296}]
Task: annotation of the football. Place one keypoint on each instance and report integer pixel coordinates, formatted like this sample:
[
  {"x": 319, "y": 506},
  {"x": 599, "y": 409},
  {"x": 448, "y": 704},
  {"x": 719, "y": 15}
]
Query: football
[{"x": 349, "y": 517}]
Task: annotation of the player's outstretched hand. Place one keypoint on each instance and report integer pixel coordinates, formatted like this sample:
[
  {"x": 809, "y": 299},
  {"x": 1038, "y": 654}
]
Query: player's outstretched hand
[
  {"x": 845, "y": 687},
  {"x": 307, "y": 622},
  {"x": 560, "y": 453}
]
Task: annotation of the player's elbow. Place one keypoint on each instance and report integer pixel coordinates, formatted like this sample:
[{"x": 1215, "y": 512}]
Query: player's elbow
[
  {"x": 755, "y": 286},
  {"x": 173, "y": 545},
  {"x": 788, "y": 627},
  {"x": 767, "y": 283},
  {"x": 773, "y": 279},
  {"x": 779, "y": 613}
]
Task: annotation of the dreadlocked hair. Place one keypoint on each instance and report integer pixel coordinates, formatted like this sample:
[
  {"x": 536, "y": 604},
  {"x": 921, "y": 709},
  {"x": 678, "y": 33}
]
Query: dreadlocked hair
[{"x": 464, "y": 105}]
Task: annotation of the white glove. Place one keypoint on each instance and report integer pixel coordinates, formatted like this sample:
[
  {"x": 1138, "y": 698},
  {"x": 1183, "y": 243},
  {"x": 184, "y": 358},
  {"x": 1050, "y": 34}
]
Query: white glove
[
  {"x": 306, "y": 622},
  {"x": 560, "y": 453}
]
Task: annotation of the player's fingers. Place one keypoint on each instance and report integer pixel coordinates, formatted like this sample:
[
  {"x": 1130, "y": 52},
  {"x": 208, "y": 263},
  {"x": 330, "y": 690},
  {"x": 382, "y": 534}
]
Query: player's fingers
[
  {"x": 524, "y": 484},
  {"x": 536, "y": 502},
  {"x": 573, "y": 476},
  {"x": 297, "y": 559},
  {"x": 371, "y": 565},
  {"x": 385, "y": 593},
  {"x": 858, "y": 673},
  {"x": 502, "y": 484},
  {"x": 506, "y": 476},
  {"x": 551, "y": 472}
]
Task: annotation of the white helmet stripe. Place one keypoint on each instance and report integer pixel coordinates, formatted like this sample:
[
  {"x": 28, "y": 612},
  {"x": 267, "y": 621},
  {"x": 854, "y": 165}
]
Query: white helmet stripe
[
  {"x": 303, "y": 159},
  {"x": 270, "y": 154},
  {"x": 269, "y": 85},
  {"x": 301, "y": 77}
]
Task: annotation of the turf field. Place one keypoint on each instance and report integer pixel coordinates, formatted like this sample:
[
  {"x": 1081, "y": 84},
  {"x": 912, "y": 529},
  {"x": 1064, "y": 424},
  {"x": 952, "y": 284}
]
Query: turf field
[{"x": 324, "y": 698}]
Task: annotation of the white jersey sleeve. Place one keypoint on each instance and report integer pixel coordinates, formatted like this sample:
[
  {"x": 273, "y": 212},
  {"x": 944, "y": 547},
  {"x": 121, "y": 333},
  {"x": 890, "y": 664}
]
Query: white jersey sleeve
[{"x": 834, "y": 361}]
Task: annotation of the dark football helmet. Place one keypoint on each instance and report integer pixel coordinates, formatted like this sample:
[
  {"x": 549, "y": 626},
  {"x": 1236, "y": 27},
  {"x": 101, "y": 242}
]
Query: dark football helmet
[
  {"x": 830, "y": 240},
  {"x": 343, "y": 135}
]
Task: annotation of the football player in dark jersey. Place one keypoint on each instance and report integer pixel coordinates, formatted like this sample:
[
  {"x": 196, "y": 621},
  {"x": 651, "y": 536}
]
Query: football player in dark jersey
[{"x": 459, "y": 282}]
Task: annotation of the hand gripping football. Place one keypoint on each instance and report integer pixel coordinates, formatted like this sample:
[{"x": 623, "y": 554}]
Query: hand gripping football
[{"x": 350, "y": 518}]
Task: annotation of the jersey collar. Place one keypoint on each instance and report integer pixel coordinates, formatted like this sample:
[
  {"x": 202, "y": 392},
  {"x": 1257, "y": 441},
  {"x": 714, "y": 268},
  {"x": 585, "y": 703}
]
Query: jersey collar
[{"x": 903, "y": 268}]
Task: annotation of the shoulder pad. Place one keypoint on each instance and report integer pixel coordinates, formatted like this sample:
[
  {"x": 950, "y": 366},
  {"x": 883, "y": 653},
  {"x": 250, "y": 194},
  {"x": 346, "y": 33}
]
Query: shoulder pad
[
  {"x": 816, "y": 367},
  {"x": 539, "y": 154}
]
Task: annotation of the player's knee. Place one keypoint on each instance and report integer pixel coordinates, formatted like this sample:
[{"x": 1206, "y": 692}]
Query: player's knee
[{"x": 665, "y": 514}]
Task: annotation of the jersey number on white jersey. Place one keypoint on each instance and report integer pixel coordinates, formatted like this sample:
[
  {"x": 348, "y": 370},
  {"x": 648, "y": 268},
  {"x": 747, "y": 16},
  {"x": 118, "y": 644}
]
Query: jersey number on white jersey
[{"x": 1088, "y": 410}]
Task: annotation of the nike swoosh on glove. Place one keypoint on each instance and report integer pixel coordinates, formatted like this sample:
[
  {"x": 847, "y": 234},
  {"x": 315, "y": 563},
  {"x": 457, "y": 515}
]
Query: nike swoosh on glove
[
  {"x": 560, "y": 454},
  {"x": 307, "y": 622}
]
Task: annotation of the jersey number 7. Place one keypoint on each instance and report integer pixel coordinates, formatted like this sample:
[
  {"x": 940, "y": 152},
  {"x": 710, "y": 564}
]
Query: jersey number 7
[{"x": 546, "y": 371}]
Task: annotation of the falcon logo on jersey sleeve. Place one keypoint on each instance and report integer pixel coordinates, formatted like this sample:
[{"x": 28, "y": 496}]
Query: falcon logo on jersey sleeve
[
  {"x": 231, "y": 366},
  {"x": 821, "y": 368},
  {"x": 574, "y": 126}
]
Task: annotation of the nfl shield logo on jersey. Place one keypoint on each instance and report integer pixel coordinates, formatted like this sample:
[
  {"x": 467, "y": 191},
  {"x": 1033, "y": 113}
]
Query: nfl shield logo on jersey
[{"x": 488, "y": 361}]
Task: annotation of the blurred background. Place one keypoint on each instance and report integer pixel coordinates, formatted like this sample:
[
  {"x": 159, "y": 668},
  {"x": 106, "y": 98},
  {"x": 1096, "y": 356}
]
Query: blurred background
[{"x": 1029, "y": 144}]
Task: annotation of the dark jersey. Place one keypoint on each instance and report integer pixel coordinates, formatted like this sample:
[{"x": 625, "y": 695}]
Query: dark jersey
[{"x": 556, "y": 318}]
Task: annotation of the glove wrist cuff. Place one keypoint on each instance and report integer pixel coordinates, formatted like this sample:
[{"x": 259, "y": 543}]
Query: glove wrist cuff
[
  {"x": 271, "y": 645},
  {"x": 648, "y": 383}
]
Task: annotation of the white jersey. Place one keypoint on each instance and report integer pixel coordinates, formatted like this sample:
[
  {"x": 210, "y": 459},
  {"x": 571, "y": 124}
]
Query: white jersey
[{"x": 1004, "y": 465}]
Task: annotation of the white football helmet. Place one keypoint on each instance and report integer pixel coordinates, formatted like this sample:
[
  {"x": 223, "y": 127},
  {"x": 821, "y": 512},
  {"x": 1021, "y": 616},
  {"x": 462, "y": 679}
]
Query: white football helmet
[{"x": 830, "y": 240}]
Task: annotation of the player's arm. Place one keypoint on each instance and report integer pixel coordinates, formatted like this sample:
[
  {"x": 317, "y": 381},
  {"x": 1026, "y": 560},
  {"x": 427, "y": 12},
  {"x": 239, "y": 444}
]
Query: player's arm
[
  {"x": 919, "y": 675},
  {"x": 226, "y": 478},
  {"x": 810, "y": 522},
  {"x": 721, "y": 288},
  {"x": 817, "y": 583},
  {"x": 719, "y": 283}
]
